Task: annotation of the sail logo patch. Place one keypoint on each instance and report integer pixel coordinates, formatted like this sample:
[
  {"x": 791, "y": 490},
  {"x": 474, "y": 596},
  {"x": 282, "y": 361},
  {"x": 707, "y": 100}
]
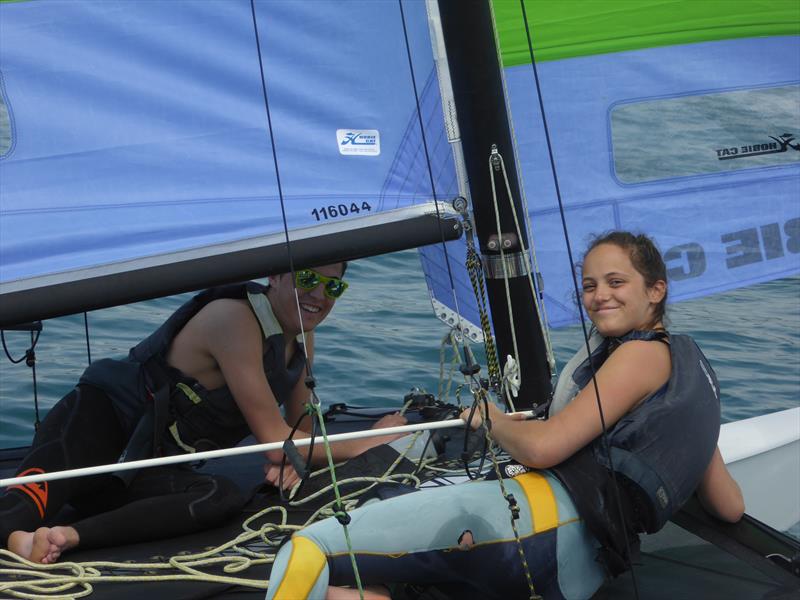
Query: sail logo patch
[
  {"x": 359, "y": 142},
  {"x": 780, "y": 144}
]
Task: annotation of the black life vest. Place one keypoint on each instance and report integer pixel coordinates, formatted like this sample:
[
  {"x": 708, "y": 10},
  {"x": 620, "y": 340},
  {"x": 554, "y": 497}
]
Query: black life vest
[
  {"x": 660, "y": 450},
  {"x": 185, "y": 414}
]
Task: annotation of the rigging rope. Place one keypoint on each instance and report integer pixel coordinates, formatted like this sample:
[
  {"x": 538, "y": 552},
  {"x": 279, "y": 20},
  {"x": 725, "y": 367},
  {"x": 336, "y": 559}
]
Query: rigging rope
[
  {"x": 88, "y": 343},
  {"x": 467, "y": 352},
  {"x": 341, "y": 513},
  {"x": 314, "y": 400},
  {"x": 476, "y": 277},
  {"x": 481, "y": 398},
  {"x": 429, "y": 166},
  {"x": 30, "y": 360},
  {"x": 256, "y": 545},
  {"x": 492, "y": 161},
  {"x": 536, "y": 294},
  {"x": 604, "y": 435}
]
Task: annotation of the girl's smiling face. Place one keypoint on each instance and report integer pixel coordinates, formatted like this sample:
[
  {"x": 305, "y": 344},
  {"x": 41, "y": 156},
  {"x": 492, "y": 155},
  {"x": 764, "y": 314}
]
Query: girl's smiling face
[{"x": 615, "y": 294}]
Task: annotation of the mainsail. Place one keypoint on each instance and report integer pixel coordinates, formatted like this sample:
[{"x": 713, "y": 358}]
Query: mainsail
[
  {"x": 678, "y": 119},
  {"x": 140, "y": 154}
]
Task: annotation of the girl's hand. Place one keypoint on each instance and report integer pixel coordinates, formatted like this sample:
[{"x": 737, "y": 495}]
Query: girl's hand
[{"x": 477, "y": 417}]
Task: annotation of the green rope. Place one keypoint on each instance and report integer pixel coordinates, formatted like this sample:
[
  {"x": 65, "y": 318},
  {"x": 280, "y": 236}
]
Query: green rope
[
  {"x": 340, "y": 514},
  {"x": 60, "y": 580},
  {"x": 480, "y": 398}
]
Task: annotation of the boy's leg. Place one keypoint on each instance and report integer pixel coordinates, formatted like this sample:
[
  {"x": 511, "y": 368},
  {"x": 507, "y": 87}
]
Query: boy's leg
[
  {"x": 81, "y": 430},
  {"x": 163, "y": 502}
]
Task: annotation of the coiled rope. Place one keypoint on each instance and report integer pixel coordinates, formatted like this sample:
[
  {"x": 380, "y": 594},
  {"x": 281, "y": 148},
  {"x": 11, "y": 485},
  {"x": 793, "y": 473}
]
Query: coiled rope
[{"x": 256, "y": 545}]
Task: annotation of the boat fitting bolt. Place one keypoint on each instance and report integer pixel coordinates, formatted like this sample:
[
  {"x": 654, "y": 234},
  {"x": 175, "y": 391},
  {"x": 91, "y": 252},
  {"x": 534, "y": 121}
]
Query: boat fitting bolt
[{"x": 460, "y": 204}]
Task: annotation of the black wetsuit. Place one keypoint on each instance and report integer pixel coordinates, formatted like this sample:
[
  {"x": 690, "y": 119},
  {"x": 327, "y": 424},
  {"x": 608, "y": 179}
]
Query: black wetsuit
[{"x": 95, "y": 423}]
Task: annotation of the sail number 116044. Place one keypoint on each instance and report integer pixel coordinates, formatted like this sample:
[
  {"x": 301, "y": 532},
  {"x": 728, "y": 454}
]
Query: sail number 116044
[{"x": 332, "y": 211}]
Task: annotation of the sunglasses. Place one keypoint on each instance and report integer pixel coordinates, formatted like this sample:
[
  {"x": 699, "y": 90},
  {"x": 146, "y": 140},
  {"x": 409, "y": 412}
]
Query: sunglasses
[{"x": 309, "y": 279}]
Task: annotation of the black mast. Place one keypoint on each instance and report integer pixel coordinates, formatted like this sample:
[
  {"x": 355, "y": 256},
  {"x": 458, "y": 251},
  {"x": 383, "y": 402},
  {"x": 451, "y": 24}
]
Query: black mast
[{"x": 483, "y": 121}]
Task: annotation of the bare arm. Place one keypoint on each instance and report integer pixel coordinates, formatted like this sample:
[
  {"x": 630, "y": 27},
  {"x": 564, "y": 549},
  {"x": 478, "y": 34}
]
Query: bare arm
[
  {"x": 719, "y": 493},
  {"x": 633, "y": 371},
  {"x": 296, "y": 407},
  {"x": 234, "y": 339}
]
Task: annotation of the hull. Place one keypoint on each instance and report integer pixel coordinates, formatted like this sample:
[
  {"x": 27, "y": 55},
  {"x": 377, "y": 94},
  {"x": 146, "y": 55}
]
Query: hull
[{"x": 763, "y": 454}]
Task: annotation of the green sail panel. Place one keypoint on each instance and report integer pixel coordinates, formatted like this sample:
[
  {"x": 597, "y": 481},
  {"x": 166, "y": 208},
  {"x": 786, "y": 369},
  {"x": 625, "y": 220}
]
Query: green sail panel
[{"x": 572, "y": 28}]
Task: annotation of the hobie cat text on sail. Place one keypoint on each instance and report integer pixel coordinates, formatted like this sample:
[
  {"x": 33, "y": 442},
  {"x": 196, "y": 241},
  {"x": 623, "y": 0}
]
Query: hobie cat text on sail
[{"x": 742, "y": 248}]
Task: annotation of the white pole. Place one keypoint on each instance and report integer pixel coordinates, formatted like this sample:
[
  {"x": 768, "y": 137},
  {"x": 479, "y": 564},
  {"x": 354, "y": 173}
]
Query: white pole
[{"x": 181, "y": 458}]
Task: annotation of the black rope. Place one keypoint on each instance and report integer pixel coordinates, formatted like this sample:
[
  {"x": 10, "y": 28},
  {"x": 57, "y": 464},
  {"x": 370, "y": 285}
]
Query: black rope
[
  {"x": 466, "y": 455},
  {"x": 88, "y": 343},
  {"x": 30, "y": 360},
  {"x": 34, "y": 341},
  {"x": 604, "y": 435},
  {"x": 310, "y": 377},
  {"x": 428, "y": 160},
  {"x": 435, "y": 197},
  {"x": 272, "y": 138},
  {"x": 306, "y": 472}
]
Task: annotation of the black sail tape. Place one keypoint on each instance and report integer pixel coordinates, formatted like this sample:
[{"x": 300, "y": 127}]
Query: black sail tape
[{"x": 297, "y": 460}]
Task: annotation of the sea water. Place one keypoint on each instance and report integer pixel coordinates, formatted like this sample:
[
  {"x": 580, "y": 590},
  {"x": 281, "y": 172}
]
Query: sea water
[{"x": 382, "y": 339}]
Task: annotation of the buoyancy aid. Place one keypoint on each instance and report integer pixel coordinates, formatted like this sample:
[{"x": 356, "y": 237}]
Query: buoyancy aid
[
  {"x": 659, "y": 451},
  {"x": 182, "y": 412}
]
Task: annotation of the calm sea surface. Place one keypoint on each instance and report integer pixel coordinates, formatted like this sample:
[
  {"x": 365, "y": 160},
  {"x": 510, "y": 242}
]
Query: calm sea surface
[{"x": 381, "y": 339}]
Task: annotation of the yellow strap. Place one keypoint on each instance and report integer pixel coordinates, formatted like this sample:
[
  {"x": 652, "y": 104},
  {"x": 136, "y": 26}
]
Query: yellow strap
[
  {"x": 173, "y": 429},
  {"x": 541, "y": 500},
  {"x": 305, "y": 564},
  {"x": 189, "y": 392}
]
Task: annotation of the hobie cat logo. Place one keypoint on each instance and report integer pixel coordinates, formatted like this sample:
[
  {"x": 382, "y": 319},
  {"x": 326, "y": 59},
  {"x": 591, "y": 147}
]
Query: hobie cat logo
[
  {"x": 781, "y": 144},
  {"x": 364, "y": 142}
]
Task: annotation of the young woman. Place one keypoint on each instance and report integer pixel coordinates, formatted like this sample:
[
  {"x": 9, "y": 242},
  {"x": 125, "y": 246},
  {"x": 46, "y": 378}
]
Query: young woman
[{"x": 660, "y": 402}]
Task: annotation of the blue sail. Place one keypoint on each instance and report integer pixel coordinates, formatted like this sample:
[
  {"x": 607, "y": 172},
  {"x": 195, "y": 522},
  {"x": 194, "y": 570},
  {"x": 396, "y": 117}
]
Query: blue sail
[
  {"x": 137, "y": 134},
  {"x": 684, "y": 126},
  {"x": 651, "y": 154}
]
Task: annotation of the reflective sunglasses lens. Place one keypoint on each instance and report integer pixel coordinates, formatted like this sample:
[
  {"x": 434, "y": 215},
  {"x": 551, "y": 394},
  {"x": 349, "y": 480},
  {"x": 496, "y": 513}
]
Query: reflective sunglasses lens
[
  {"x": 335, "y": 288},
  {"x": 306, "y": 279}
]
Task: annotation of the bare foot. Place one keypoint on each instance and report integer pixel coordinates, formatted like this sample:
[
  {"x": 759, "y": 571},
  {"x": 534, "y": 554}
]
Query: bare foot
[
  {"x": 372, "y": 592},
  {"x": 44, "y": 545}
]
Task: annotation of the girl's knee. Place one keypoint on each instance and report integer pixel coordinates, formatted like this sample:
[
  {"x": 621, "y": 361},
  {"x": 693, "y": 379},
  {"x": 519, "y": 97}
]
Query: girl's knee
[{"x": 300, "y": 571}]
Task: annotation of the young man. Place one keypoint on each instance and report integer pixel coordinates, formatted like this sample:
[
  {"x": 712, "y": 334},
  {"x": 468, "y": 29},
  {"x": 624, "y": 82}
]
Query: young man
[{"x": 218, "y": 369}]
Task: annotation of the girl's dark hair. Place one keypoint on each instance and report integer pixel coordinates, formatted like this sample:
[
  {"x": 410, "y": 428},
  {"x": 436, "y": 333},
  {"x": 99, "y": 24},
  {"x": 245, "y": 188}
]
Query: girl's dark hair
[{"x": 645, "y": 257}]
